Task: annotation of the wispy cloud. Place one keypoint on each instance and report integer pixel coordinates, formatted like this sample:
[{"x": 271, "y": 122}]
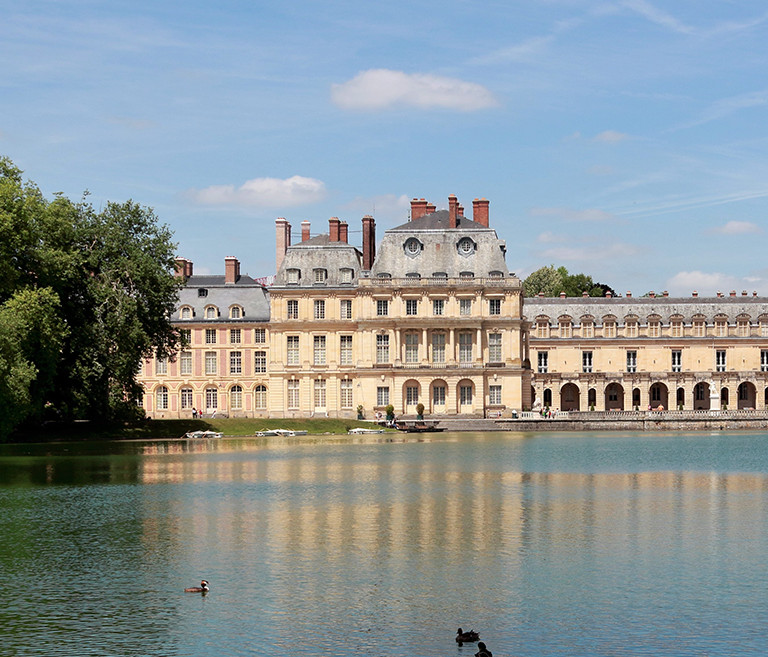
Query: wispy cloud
[
  {"x": 658, "y": 16},
  {"x": 548, "y": 237},
  {"x": 611, "y": 137},
  {"x": 725, "y": 107},
  {"x": 568, "y": 214},
  {"x": 379, "y": 89},
  {"x": 737, "y": 228},
  {"x": 262, "y": 192},
  {"x": 706, "y": 283}
]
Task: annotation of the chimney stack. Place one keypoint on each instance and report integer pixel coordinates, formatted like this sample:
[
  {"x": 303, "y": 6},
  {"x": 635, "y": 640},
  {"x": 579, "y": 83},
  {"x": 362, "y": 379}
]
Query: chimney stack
[
  {"x": 431, "y": 207},
  {"x": 180, "y": 271},
  {"x": 283, "y": 241},
  {"x": 418, "y": 208},
  {"x": 480, "y": 211},
  {"x": 188, "y": 269},
  {"x": 562, "y": 295},
  {"x": 629, "y": 294},
  {"x": 305, "y": 230},
  {"x": 231, "y": 270},
  {"x": 453, "y": 211},
  {"x": 733, "y": 293},
  {"x": 344, "y": 232},
  {"x": 461, "y": 210},
  {"x": 369, "y": 242},
  {"x": 333, "y": 229},
  {"x": 665, "y": 293},
  {"x": 584, "y": 294},
  {"x": 695, "y": 293}
]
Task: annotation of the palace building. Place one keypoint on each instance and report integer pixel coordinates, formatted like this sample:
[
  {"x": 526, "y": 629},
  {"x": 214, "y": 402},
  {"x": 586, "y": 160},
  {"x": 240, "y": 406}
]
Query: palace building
[{"x": 432, "y": 315}]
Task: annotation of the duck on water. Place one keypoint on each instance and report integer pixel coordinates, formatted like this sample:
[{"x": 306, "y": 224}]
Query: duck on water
[
  {"x": 466, "y": 637},
  {"x": 203, "y": 588}
]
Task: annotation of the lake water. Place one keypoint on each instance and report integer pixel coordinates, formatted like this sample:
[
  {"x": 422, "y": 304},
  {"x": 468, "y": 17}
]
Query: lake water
[{"x": 547, "y": 544}]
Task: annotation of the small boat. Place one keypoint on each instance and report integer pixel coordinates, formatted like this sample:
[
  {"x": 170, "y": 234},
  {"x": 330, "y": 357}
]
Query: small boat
[
  {"x": 267, "y": 432},
  {"x": 196, "y": 435},
  {"x": 418, "y": 427},
  {"x": 363, "y": 430}
]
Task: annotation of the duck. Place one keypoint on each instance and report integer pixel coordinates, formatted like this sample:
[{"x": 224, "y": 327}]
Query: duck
[
  {"x": 203, "y": 588},
  {"x": 466, "y": 637}
]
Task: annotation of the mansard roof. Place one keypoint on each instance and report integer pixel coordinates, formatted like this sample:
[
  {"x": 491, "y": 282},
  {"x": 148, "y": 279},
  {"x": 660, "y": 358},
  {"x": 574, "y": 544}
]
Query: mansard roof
[
  {"x": 200, "y": 292},
  {"x": 319, "y": 252}
]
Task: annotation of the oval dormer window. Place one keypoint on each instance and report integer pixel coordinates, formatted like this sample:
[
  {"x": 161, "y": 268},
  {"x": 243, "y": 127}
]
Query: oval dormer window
[
  {"x": 466, "y": 246},
  {"x": 412, "y": 247}
]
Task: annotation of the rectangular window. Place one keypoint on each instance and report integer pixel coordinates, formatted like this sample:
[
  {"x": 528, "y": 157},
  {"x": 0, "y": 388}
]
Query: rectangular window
[
  {"x": 260, "y": 397},
  {"x": 631, "y": 361},
  {"x": 319, "y": 350},
  {"x": 235, "y": 362},
  {"x": 465, "y": 307},
  {"x": 345, "y": 275},
  {"x": 211, "y": 398},
  {"x": 210, "y": 362},
  {"x": 677, "y": 360},
  {"x": 565, "y": 329},
  {"x": 438, "y": 306},
  {"x": 320, "y": 275},
  {"x": 346, "y": 309},
  {"x": 543, "y": 362},
  {"x": 186, "y": 397},
  {"x": 185, "y": 363},
  {"x": 382, "y": 307},
  {"x": 586, "y": 361},
  {"x": 293, "y": 276},
  {"x": 382, "y": 348},
  {"x": 609, "y": 330},
  {"x": 465, "y": 395},
  {"x": 234, "y": 336},
  {"x": 654, "y": 329},
  {"x": 161, "y": 398},
  {"x": 588, "y": 330},
  {"x": 161, "y": 366},
  {"x": 260, "y": 362},
  {"x": 630, "y": 330},
  {"x": 494, "y": 395},
  {"x": 438, "y": 396},
  {"x": 411, "y": 348},
  {"x": 764, "y": 328},
  {"x": 319, "y": 393},
  {"x": 465, "y": 347},
  {"x": 319, "y": 309},
  {"x": 438, "y": 347},
  {"x": 720, "y": 360},
  {"x": 345, "y": 350},
  {"x": 699, "y": 329},
  {"x": 293, "y": 308},
  {"x": 494, "y": 306},
  {"x": 411, "y": 307},
  {"x": 210, "y": 336},
  {"x": 764, "y": 360},
  {"x": 236, "y": 397},
  {"x": 186, "y": 336},
  {"x": 494, "y": 347},
  {"x": 721, "y": 328},
  {"x": 542, "y": 329},
  {"x": 382, "y": 396},
  {"x": 742, "y": 328},
  {"x": 411, "y": 395},
  {"x": 293, "y": 350},
  {"x": 259, "y": 335},
  {"x": 677, "y": 329},
  {"x": 346, "y": 393},
  {"x": 293, "y": 393}
]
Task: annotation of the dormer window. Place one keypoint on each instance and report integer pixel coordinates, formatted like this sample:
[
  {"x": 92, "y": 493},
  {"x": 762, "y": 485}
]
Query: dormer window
[
  {"x": 496, "y": 274},
  {"x": 186, "y": 313},
  {"x": 211, "y": 312},
  {"x": 345, "y": 275},
  {"x": 413, "y": 274},
  {"x": 465, "y": 246},
  {"x": 321, "y": 275},
  {"x": 385, "y": 275},
  {"x": 235, "y": 312},
  {"x": 293, "y": 276},
  {"x": 466, "y": 274},
  {"x": 202, "y": 292},
  {"x": 412, "y": 247}
]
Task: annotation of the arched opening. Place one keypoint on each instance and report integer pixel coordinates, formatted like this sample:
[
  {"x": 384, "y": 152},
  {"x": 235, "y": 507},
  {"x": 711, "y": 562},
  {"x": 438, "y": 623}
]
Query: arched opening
[
  {"x": 747, "y": 396},
  {"x": 438, "y": 394},
  {"x": 569, "y": 397},
  {"x": 701, "y": 396},
  {"x": 680, "y": 399},
  {"x": 659, "y": 396},
  {"x": 466, "y": 395},
  {"x": 724, "y": 398},
  {"x": 547, "y": 398},
  {"x": 533, "y": 396},
  {"x": 592, "y": 398},
  {"x": 614, "y": 397},
  {"x": 411, "y": 390},
  {"x": 636, "y": 398}
]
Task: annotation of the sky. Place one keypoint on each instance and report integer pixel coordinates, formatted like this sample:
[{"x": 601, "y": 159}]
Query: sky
[{"x": 624, "y": 139}]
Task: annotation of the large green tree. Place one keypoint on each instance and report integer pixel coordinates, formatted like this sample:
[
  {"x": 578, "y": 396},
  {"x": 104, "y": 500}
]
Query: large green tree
[
  {"x": 84, "y": 295},
  {"x": 550, "y": 281}
]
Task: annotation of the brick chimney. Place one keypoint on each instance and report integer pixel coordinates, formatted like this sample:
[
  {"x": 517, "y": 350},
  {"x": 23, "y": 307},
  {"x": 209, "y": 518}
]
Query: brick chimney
[
  {"x": 584, "y": 294},
  {"x": 305, "y": 230},
  {"x": 231, "y": 270},
  {"x": 695, "y": 293},
  {"x": 461, "y": 210},
  {"x": 733, "y": 293},
  {"x": 344, "y": 232},
  {"x": 453, "y": 211},
  {"x": 665, "y": 293},
  {"x": 369, "y": 242},
  {"x": 431, "y": 207},
  {"x": 180, "y": 271},
  {"x": 480, "y": 211},
  {"x": 282, "y": 241},
  {"x": 629, "y": 295},
  {"x": 418, "y": 208},
  {"x": 333, "y": 229}
]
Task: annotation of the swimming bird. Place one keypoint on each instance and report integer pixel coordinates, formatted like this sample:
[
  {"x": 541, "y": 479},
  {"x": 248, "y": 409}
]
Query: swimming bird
[
  {"x": 203, "y": 588},
  {"x": 466, "y": 637}
]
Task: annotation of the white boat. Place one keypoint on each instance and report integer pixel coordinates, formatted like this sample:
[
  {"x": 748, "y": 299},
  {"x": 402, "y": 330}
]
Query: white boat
[
  {"x": 267, "y": 432},
  {"x": 364, "y": 430},
  {"x": 203, "y": 434},
  {"x": 281, "y": 432}
]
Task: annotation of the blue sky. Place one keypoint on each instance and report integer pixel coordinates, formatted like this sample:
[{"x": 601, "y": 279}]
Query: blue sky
[{"x": 625, "y": 139}]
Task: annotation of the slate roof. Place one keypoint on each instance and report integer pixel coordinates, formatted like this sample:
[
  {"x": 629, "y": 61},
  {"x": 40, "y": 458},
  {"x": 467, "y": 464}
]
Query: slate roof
[
  {"x": 247, "y": 293},
  {"x": 319, "y": 253}
]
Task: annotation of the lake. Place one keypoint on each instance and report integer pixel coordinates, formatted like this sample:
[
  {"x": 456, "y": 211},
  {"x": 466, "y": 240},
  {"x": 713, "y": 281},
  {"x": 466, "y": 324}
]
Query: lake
[{"x": 547, "y": 544}]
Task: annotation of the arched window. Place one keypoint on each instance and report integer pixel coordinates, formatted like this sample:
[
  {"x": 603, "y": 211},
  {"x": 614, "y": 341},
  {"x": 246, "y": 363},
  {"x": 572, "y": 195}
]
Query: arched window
[
  {"x": 236, "y": 397},
  {"x": 235, "y": 312},
  {"x": 260, "y": 397},
  {"x": 186, "y": 312},
  {"x": 211, "y": 312}
]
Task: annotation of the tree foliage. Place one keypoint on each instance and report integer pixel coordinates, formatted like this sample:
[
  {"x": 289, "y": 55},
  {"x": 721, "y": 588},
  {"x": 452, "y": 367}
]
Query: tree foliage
[
  {"x": 84, "y": 295},
  {"x": 550, "y": 281}
]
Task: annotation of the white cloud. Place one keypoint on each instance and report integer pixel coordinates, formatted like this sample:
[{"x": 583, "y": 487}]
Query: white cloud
[
  {"x": 548, "y": 237},
  {"x": 655, "y": 15},
  {"x": 382, "y": 89},
  {"x": 707, "y": 284},
  {"x": 737, "y": 228},
  {"x": 263, "y": 192},
  {"x": 611, "y": 137},
  {"x": 588, "y": 215}
]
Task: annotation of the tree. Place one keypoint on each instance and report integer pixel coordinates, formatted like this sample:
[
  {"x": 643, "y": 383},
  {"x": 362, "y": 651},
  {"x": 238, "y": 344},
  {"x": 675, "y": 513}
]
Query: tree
[
  {"x": 84, "y": 295},
  {"x": 551, "y": 281}
]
